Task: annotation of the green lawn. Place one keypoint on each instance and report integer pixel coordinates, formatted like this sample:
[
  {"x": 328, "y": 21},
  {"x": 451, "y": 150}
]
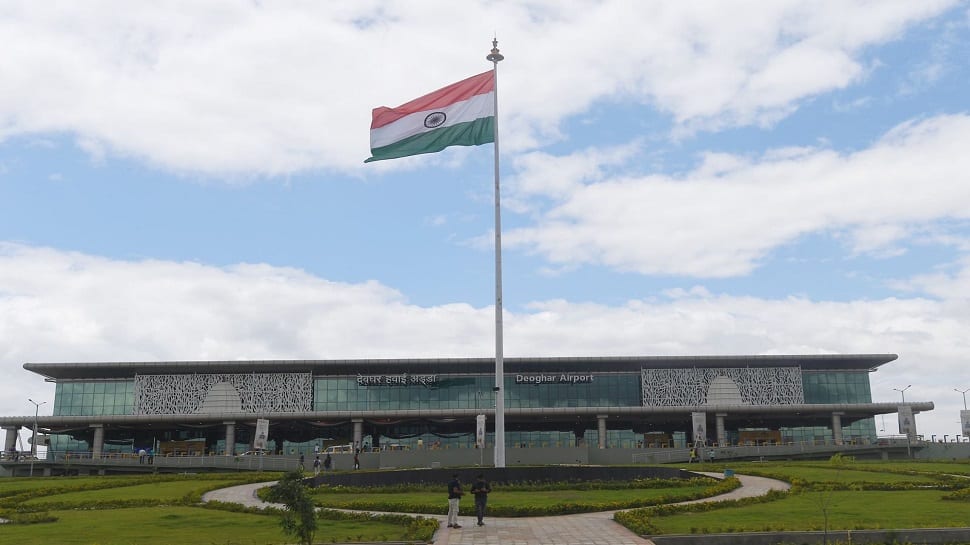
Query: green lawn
[
  {"x": 183, "y": 526},
  {"x": 91, "y": 523},
  {"x": 90, "y": 514},
  {"x": 847, "y": 510},
  {"x": 17, "y": 485},
  {"x": 955, "y": 467},
  {"x": 821, "y": 472},
  {"x": 165, "y": 491},
  {"x": 436, "y": 502},
  {"x": 883, "y": 496}
]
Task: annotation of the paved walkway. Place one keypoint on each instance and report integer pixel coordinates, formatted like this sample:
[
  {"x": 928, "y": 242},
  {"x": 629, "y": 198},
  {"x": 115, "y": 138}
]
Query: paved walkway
[{"x": 581, "y": 529}]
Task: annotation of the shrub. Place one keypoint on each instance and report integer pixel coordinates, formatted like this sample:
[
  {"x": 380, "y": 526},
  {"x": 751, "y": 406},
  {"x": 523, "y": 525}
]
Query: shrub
[
  {"x": 300, "y": 518},
  {"x": 30, "y": 518}
]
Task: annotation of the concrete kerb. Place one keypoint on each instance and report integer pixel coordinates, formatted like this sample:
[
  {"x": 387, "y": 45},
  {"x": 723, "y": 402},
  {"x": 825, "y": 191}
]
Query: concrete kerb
[{"x": 928, "y": 536}]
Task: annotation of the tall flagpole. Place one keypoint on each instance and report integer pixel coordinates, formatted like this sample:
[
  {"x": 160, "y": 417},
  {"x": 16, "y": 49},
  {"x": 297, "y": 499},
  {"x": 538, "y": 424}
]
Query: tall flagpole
[{"x": 495, "y": 57}]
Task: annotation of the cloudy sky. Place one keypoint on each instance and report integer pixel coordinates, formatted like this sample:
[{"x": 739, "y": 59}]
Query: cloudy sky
[{"x": 185, "y": 180}]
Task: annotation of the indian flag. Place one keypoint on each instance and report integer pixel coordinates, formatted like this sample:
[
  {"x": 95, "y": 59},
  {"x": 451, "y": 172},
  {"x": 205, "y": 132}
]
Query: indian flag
[{"x": 461, "y": 114}]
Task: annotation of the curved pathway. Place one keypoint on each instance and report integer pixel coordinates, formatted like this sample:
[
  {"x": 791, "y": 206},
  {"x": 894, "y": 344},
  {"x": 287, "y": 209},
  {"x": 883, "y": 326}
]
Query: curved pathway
[{"x": 579, "y": 529}]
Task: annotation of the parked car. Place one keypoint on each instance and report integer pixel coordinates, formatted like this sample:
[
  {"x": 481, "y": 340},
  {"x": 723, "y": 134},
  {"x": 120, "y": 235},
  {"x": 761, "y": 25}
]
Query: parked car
[
  {"x": 254, "y": 453},
  {"x": 339, "y": 449}
]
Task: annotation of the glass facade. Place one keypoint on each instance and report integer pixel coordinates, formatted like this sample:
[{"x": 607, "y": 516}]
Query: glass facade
[
  {"x": 475, "y": 391},
  {"x": 859, "y": 432},
  {"x": 831, "y": 386},
  {"x": 452, "y": 390},
  {"x": 836, "y": 387},
  {"x": 91, "y": 398},
  {"x": 82, "y": 398},
  {"x": 469, "y": 391}
]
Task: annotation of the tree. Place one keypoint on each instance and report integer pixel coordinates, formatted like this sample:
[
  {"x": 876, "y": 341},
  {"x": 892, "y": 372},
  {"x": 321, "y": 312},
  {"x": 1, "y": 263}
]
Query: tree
[
  {"x": 826, "y": 496},
  {"x": 300, "y": 518}
]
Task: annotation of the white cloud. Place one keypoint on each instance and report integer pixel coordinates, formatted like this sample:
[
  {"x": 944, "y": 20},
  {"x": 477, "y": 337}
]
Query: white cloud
[
  {"x": 567, "y": 174},
  {"x": 723, "y": 218},
  {"x": 60, "y": 306},
  {"x": 951, "y": 284},
  {"x": 252, "y": 88}
]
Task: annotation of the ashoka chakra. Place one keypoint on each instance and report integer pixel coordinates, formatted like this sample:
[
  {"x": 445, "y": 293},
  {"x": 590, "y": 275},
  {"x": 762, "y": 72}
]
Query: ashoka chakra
[{"x": 435, "y": 119}]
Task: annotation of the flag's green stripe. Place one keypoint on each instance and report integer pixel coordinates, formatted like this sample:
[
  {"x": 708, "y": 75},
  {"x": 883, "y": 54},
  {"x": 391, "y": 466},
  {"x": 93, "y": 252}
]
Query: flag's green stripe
[{"x": 471, "y": 133}]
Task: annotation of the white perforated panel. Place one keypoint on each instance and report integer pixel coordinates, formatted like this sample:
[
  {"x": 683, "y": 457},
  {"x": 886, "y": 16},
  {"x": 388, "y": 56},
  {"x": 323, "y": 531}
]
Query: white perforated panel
[
  {"x": 707, "y": 386},
  {"x": 212, "y": 393}
]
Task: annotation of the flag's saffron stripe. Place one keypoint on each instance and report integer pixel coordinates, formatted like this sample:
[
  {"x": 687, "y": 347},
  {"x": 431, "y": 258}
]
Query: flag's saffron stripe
[
  {"x": 471, "y": 133},
  {"x": 459, "y": 112},
  {"x": 456, "y": 92}
]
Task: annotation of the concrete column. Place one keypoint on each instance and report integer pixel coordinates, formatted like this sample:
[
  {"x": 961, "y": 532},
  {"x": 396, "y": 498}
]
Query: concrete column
[
  {"x": 601, "y": 427},
  {"x": 10, "y": 439},
  {"x": 580, "y": 432},
  {"x": 721, "y": 432},
  {"x": 98, "y": 443},
  {"x": 230, "y": 438},
  {"x": 837, "y": 428},
  {"x": 358, "y": 431}
]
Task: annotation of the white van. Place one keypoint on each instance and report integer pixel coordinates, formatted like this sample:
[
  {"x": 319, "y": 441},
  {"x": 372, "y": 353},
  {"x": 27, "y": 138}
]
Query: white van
[{"x": 339, "y": 449}]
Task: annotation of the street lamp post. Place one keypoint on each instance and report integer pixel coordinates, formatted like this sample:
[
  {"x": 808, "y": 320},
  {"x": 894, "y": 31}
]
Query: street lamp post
[
  {"x": 902, "y": 392},
  {"x": 964, "y": 392},
  {"x": 33, "y": 440}
]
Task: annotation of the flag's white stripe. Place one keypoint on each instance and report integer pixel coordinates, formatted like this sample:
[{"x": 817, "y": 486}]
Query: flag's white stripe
[{"x": 474, "y": 108}]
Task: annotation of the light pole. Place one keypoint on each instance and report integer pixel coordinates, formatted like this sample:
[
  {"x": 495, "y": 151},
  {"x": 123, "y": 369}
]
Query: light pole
[
  {"x": 33, "y": 440},
  {"x": 902, "y": 392},
  {"x": 964, "y": 392}
]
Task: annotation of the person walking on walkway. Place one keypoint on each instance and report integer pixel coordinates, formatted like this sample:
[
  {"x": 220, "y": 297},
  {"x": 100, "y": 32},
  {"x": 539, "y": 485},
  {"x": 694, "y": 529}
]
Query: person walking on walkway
[
  {"x": 454, "y": 496},
  {"x": 327, "y": 463},
  {"x": 316, "y": 465},
  {"x": 481, "y": 489},
  {"x": 357, "y": 459}
]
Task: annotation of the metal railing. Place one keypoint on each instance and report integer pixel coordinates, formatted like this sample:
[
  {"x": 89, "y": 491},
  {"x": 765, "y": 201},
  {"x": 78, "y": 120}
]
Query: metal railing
[
  {"x": 747, "y": 451},
  {"x": 238, "y": 462}
]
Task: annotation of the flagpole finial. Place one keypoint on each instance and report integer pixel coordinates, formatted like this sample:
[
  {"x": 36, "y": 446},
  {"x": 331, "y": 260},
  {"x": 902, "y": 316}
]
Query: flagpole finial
[{"x": 495, "y": 56}]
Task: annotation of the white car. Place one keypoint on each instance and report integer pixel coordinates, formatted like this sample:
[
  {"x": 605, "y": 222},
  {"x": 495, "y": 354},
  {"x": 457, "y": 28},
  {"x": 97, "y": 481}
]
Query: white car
[{"x": 339, "y": 449}]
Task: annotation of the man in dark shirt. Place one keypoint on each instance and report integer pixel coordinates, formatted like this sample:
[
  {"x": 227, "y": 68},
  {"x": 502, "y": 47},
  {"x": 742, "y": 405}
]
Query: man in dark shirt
[
  {"x": 454, "y": 495},
  {"x": 480, "y": 489}
]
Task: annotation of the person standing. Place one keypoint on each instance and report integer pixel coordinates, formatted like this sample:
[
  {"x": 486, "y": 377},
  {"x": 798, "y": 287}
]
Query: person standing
[
  {"x": 357, "y": 459},
  {"x": 481, "y": 489},
  {"x": 454, "y": 496},
  {"x": 316, "y": 465},
  {"x": 327, "y": 463}
]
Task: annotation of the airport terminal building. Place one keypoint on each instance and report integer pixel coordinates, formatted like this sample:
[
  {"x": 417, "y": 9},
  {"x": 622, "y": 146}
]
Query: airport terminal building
[{"x": 212, "y": 407}]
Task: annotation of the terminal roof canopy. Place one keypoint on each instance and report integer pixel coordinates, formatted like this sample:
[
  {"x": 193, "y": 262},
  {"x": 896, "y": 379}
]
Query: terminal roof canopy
[{"x": 120, "y": 370}]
